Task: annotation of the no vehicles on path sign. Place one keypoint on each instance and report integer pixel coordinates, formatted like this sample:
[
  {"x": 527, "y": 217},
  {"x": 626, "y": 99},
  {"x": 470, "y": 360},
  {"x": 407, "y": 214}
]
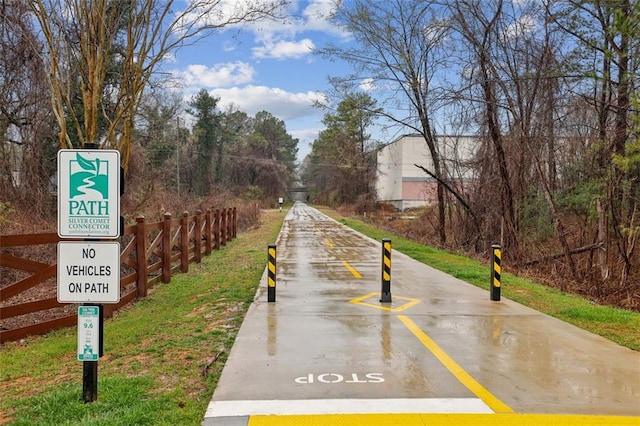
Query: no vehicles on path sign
[{"x": 88, "y": 272}]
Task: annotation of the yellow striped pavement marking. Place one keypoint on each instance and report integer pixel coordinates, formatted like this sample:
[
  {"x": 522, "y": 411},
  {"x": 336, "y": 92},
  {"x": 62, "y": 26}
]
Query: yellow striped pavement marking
[
  {"x": 345, "y": 263},
  {"x": 352, "y": 269},
  {"x": 409, "y": 302},
  {"x": 465, "y": 378}
]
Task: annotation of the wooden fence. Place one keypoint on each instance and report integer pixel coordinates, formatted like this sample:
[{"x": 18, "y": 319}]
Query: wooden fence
[{"x": 150, "y": 253}]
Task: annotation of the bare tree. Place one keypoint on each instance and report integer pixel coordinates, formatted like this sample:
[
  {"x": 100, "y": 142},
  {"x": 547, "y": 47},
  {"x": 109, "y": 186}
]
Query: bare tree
[
  {"x": 26, "y": 125},
  {"x": 513, "y": 78},
  {"x": 479, "y": 24},
  {"x": 136, "y": 35},
  {"x": 398, "y": 49}
]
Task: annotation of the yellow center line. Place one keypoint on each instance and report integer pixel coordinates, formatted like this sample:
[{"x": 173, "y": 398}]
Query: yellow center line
[
  {"x": 465, "y": 378},
  {"x": 352, "y": 269},
  {"x": 344, "y": 262}
]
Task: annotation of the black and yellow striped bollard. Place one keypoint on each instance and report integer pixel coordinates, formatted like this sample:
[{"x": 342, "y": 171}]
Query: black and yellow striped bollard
[
  {"x": 385, "y": 297},
  {"x": 496, "y": 269},
  {"x": 271, "y": 274}
]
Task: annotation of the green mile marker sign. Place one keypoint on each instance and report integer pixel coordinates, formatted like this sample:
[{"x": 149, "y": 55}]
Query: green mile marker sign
[
  {"x": 88, "y": 193},
  {"x": 88, "y": 333}
]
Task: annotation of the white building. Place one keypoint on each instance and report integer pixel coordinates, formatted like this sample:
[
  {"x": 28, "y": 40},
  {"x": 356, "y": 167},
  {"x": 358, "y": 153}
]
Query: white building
[{"x": 400, "y": 183}]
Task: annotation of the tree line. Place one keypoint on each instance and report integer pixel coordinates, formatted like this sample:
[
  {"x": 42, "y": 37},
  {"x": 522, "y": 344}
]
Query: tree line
[
  {"x": 253, "y": 156},
  {"x": 549, "y": 90}
]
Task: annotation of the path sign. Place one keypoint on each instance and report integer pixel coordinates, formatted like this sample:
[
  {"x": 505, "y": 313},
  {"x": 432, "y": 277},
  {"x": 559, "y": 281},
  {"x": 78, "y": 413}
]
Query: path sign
[
  {"x": 88, "y": 333},
  {"x": 88, "y": 272},
  {"x": 88, "y": 193}
]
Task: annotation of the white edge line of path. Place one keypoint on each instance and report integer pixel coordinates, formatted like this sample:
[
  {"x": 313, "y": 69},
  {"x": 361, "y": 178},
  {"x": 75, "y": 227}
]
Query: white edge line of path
[{"x": 347, "y": 406}]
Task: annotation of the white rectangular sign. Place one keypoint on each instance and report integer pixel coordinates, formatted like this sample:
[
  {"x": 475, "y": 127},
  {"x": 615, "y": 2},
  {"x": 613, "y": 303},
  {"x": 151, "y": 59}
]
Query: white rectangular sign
[
  {"x": 88, "y": 272},
  {"x": 88, "y": 193},
  {"x": 88, "y": 333}
]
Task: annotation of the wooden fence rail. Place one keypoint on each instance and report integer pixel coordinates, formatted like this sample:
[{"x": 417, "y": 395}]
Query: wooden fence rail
[{"x": 150, "y": 253}]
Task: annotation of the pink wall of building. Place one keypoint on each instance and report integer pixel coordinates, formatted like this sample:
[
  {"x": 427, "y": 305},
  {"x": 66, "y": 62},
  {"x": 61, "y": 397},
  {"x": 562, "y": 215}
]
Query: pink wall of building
[{"x": 419, "y": 191}]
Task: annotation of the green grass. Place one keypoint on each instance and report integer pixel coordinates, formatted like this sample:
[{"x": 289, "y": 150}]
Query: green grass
[
  {"x": 619, "y": 325},
  {"x": 163, "y": 354},
  {"x": 123, "y": 401}
]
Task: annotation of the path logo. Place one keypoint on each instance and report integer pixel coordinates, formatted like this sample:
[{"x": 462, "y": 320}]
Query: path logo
[
  {"x": 88, "y": 198},
  {"x": 89, "y": 175}
]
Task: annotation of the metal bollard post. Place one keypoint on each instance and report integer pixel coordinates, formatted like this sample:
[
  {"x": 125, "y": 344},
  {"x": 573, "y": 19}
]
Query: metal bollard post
[
  {"x": 271, "y": 284},
  {"x": 496, "y": 269},
  {"x": 386, "y": 271}
]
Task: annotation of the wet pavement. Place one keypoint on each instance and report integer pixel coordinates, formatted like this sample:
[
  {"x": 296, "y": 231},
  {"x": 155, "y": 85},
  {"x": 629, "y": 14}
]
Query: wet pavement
[{"x": 327, "y": 351}]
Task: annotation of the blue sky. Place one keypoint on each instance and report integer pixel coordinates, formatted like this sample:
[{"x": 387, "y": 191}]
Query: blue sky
[{"x": 268, "y": 66}]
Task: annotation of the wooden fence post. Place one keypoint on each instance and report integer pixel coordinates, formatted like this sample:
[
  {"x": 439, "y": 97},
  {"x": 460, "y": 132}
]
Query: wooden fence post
[
  {"x": 141, "y": 257},
  {"x": 184, "y": 242},
  {"x": 223, "y": 237},
  {"x": 197, "y": 237},
  {"x": 234, "y": 224},
  {"x": 216, "y": 231},
  {"x": 207, "y": 232},
  {"x": 166, "y": 248}
]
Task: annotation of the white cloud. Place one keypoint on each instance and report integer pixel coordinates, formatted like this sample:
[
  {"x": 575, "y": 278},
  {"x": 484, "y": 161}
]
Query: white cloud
[
  {"x": 524, "y": 25},
  {"x": 368, "y": 85},
  {"x": 284, "y": 49},
  {"x": 219, "y": 75},
  {"x": 228, "y": 46},
  {"x": 307, "y": 135},
  {"x": 223, "y": 13},
  {"x": 317, "y": 17},
  {"x": 314, "y": 17},
  {"x": 282, "y": 104},
  {"x": 305, "y": 138},
  {"x": 169, "y": 58}
]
